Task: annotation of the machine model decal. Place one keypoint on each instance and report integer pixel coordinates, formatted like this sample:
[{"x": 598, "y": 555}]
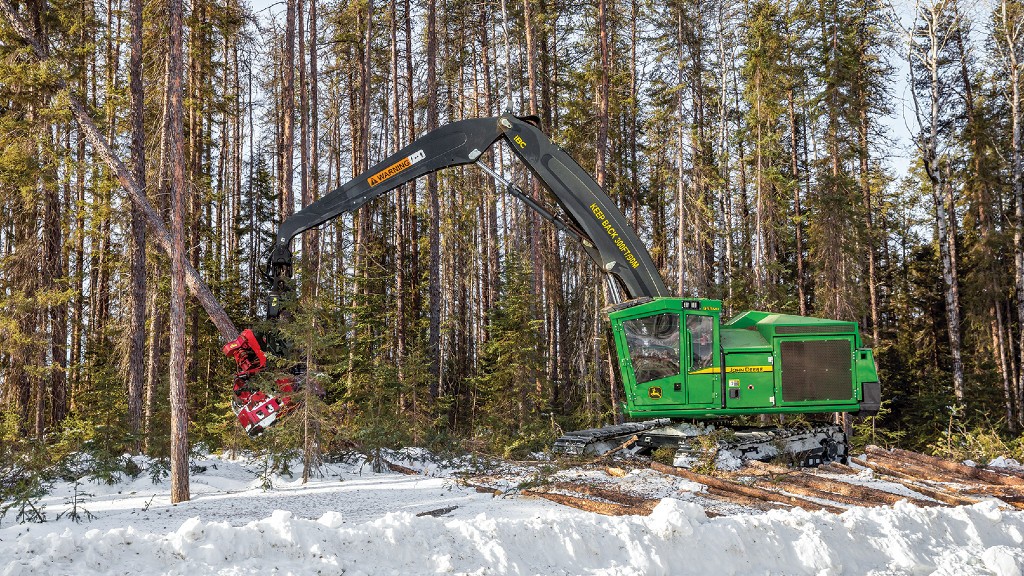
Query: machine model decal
[
  {"x": 728, "y": 369},
  {"x": 614, "y": 235},
  {"x": 397, "y": 167}
]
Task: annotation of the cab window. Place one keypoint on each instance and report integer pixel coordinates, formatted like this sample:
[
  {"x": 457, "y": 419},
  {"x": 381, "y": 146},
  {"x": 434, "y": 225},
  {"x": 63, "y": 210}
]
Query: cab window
[
  {"x": 701, "y": 329},
  {"x": 653, "y": 343}
]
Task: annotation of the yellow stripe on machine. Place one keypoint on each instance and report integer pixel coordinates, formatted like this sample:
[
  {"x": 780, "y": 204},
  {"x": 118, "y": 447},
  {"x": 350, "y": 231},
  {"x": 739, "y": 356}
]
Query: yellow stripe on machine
[{"x": 729, "y": 369}]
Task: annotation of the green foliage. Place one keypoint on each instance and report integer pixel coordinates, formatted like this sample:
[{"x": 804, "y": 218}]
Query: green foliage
[
  {"x": 26, "y": 473},
  {"x": 870, "y": 430},
  {"x": 665, "y": 455},
  {"x": 704, "y": 448},
  {"x": 76, "y": 501},
  {"x": 980, "y": 441},
  {"x": 509, "y": 390}
]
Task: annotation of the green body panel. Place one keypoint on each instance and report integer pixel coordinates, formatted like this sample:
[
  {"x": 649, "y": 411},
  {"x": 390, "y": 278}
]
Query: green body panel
[{"x": 677, "y": 359}]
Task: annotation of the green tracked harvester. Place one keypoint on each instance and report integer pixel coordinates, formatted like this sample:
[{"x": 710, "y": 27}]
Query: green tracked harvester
[{"x": 678, "y": 361}]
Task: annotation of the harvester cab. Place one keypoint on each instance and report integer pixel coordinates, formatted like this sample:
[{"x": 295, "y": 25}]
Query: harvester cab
[{"x": 677, "y": 359}]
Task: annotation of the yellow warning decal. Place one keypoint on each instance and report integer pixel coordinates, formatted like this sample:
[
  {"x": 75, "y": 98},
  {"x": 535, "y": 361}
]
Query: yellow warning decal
[
  {"x": 395, "y": 168},
  {"x": 729, "y": 369}
]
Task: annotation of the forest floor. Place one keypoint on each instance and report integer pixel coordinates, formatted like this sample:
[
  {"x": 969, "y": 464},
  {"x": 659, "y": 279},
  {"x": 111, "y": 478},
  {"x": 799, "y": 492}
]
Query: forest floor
[{"x": 889, "y": 513}]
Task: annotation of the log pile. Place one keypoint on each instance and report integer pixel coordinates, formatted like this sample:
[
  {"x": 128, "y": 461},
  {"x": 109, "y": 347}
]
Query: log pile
[
  {"x": 832, "y": 487},
  {"x": 933, "y": 482}
]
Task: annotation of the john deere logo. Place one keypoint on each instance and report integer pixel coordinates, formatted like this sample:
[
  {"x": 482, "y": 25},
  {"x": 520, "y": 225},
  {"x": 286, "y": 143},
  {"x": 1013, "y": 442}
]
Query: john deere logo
[{"x": 654, "y": 392}]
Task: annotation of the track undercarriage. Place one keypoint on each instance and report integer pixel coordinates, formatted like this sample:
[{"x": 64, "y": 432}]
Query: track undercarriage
[{"x": 729, "y": 447}]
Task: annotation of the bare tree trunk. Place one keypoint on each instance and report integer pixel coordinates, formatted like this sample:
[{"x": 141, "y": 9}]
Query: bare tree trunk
[
  {"x": 179, "y": 407},
  {"x": 604, "y": 61},
  {"x": 1012, "y": 37},
  {"x": 137, "y": 294},
  {"x": 801, "y": 278},
  {"x": 434, "y": 287},
  {"x": 313, "y": 249},
  {"x": 152, "y": 370},
  {"x": 936, "y": 168},
  {"x": 288, "y": 113}
]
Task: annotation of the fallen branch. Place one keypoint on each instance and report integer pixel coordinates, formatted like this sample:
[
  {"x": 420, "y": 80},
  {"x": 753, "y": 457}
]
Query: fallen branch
[
  {"x": 438, "y": 512},
  {"x": 632, "y": 440}
]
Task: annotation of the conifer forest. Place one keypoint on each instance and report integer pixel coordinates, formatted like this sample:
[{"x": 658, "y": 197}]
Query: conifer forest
[{"x": 848, "y": 159}]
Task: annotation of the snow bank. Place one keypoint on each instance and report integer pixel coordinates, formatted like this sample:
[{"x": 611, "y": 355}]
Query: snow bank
[{"x": 676, "y": 539}]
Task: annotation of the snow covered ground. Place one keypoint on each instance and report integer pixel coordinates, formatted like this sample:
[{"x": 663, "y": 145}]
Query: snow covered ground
[{"x": 353, "y": 521}]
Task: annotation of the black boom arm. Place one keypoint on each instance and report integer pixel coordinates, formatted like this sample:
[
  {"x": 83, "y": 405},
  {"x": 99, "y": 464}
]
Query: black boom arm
[
  {"x": 603, "y": 230},
  {"x": 592, "y": 218}
]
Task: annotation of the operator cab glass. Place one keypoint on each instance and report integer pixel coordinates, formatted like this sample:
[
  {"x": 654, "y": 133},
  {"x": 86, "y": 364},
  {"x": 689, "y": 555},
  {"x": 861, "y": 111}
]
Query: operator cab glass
[
  {"x": 702, "y": 345},
  {"x": 653, "y": 343}
]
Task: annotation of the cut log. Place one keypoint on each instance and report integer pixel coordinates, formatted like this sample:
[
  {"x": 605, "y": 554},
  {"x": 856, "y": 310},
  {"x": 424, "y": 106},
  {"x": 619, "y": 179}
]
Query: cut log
[
  {"x": 751, "y": 491},
  {"x": 605, "y": 508},
  {"x": 1017, "y": 503},
  {"x": 955, "y": 469},
  {"x": 905, "y": 480},
  {"x": 1007, "y": 471},
  {"x": 616, "y": 496},
  {"x": 916, "y": 471},
  {"x": 741, "y": 500},
  {"x": 782, "y": 484},
  {"x": 990, "y": 490},
  {"x": 838, "y": 468},
  {"x": 843, "y": 491},
  {"x": 401, "y": 469},
  {"x": 880, "y": 468},
  {"x": 616, "y": 472}
]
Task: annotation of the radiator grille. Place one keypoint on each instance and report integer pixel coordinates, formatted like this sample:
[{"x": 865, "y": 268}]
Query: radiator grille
[
  {"x": 816, "y": 370},
  {"x": 813, "y": 329}
]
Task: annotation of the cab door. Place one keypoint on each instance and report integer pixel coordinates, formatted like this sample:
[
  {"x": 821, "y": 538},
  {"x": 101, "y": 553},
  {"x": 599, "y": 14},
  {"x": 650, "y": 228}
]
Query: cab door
[
  {"x": 701, "y": 359},
  {"x": 653, "y": 360}
]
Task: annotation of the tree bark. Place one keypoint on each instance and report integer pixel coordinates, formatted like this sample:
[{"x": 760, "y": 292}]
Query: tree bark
[
  {"x": 1012, "y": 40},
  {"x": 288, "y": 113},
  {"x": 937, "y": 170},
  {"x": 434, "y": 207},
  {"x": 178, "y": 392},
  {"x": 137, "y": 293}
]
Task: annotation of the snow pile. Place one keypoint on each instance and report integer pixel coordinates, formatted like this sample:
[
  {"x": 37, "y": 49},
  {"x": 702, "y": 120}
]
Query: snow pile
[
  {"x": 676, "y": 539},
  {"x": 353, "y": 521},
  {"x": 1004, "y": 462}
]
